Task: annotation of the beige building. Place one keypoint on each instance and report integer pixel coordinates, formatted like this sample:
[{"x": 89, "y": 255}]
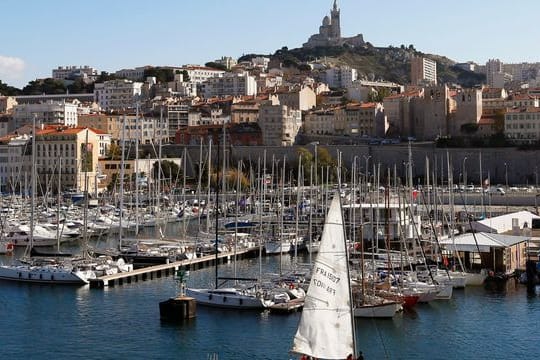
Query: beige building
[
  {"x": 245, "y": 112},
  {"x": 434, "y": 108},
  {"x": 299, "y": 98},
  {"x": 7, "y": 103},
  {"x": 279, "y": 123},
  {"x": 401, "y": 111},
  {"x": 72, "y": 152},
  {"x": 150, "y": 129},
  {"x": 468, "y": 109},
  {"x": 351, "y": 120}
]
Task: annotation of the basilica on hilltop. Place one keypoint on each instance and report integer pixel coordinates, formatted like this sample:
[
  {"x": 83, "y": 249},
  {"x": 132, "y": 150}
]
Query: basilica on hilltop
[{"x": 330, "y": 33}]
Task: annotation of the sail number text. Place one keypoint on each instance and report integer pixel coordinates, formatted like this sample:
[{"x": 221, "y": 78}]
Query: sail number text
[{"x": 328, "y": 275}]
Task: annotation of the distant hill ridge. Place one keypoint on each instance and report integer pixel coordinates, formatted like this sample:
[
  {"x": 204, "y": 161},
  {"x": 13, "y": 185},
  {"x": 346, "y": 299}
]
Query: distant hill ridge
[{"x": 375, "y": 63}]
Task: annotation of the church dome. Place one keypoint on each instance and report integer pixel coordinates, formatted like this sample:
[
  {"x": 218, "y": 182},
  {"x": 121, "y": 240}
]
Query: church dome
[{"x": 326, "y": 21}]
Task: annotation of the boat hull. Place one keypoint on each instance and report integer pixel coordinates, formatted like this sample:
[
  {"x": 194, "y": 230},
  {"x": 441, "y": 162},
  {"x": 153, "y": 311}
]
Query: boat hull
[
  {"x": 227, "y": 299},
  {"x": 43, "y": 275},
  {"x": 384, "y": 310}
]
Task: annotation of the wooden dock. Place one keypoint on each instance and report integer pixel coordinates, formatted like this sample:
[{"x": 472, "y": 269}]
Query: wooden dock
[{"x": 162, "y": 270}]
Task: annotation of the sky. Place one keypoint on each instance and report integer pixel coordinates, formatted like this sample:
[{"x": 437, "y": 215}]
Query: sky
[{"x": 110, "y": 35}]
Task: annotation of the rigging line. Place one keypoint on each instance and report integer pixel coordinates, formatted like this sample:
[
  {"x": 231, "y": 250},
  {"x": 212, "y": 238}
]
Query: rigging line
[{"x": 379, "y": 332}]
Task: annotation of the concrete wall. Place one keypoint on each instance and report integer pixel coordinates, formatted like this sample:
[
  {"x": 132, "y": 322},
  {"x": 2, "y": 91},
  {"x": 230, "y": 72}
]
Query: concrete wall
[{"x": 522, "y": 167}]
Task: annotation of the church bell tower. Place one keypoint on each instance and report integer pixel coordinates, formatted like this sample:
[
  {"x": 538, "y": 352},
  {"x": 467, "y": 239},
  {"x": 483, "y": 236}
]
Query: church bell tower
[{"x": 336, "y": 26}]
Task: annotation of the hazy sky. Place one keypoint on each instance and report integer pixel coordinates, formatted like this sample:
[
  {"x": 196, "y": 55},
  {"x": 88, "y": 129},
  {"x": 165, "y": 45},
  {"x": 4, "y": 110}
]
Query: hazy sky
[{"x": 110, "y": 35}]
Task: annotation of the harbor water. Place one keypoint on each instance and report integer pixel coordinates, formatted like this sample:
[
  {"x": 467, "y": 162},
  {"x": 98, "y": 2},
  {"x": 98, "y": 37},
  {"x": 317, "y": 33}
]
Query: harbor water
[{"x": 58, "y": 322}]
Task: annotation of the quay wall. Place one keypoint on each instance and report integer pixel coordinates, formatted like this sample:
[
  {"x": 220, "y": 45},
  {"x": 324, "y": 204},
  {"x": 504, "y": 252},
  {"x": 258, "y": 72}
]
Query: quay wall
[{"x": 501, "y": 165}]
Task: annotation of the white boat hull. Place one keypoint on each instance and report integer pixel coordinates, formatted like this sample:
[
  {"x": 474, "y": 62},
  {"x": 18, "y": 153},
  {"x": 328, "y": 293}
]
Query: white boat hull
[
  {"x": 384, "y": 310},
  {"x": 274, "y": 247},
  {"x": 43, "y": 274},
  {"x": 228, "y": 298}
]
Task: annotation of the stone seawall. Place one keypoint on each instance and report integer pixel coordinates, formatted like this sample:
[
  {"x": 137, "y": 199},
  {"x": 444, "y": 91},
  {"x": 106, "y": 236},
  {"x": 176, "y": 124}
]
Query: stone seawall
[{"x": 521, "y": 167}]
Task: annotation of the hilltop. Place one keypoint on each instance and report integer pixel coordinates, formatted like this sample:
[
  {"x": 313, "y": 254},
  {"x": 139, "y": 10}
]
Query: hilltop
[{"x": 374, "y": 63}]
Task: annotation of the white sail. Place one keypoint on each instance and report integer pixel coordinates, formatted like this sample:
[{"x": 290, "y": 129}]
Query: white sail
[{"x": 326, "y": 326}]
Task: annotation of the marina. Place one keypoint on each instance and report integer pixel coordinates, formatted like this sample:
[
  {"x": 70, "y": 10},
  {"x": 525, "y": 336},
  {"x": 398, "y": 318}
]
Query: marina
[{"x": 495, "y": 324}]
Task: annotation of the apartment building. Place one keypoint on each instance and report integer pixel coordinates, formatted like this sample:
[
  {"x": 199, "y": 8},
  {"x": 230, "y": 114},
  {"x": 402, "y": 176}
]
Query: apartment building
[
  {"x": 135, "y": 74},
  {"x": 245, "y": 112},
  {"x": 71, "y": 152},
  {"x": 279, "y": 124},
  {"x": 234, "y": 84},
  {"x": 423, "y": 71},
  {"x": 49, "y": 112},
  {"x": 299, "y": 98},
  {"x": 72, "y": 72},
  {"x": 341, "y": 76},
  {"x": 522, "y": 125},
  {"x": 117, "y": 95}
]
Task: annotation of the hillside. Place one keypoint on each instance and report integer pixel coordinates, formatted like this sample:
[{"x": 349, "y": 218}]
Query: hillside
[{"x": 376, "y": 63}]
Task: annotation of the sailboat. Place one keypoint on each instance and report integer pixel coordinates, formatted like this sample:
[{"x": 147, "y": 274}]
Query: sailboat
[
  {"x": 43, "y": 270},
  {"x": 237, "y": 297},
  {"x": 326, "y": 328}
]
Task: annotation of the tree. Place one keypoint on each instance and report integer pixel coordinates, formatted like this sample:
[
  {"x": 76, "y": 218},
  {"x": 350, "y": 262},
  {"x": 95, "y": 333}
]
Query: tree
[
  {"x": 215, "y": 65},
  {"x": 44, "y": 86},
  {"x": 114, "y": 152},
  {"x": 169, "y": 170},
  {"x": 7, "y": 90},
  {"x": 161, "y": 74},
  {"x": 325, "y": 160},
  {"x": 105, "y": 76},
  {"x": 79, "y": 86},
  {"x": 307, "y": 161}
]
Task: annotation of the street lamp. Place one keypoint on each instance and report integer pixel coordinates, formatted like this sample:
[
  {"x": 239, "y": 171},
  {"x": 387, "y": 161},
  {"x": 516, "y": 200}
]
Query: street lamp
[
  {"x": 366, "y": 158},
  {"x": 506, "y": 175},
  {"x": 464, "y": 172}
]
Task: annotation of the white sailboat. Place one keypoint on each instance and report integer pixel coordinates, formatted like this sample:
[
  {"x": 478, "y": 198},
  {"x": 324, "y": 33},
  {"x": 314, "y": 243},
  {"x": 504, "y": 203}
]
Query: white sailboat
[
  {"x": 48, "y": 271},
  {"x": 326, "y": 328},
  {"x": 237, "y": 297}
]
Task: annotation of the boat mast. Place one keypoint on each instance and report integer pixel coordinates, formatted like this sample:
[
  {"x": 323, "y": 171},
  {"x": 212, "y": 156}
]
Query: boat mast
[
  {"x": 122, "y": 173},
  {"x": 348, "y": 272},
  {"x": 217, "y": 211},
  {"x": 34, "y": 182}
]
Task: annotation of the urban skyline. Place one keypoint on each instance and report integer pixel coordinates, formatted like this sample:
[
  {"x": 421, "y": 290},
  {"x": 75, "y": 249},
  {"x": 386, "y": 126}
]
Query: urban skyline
[{"x": 124, "y": 35}]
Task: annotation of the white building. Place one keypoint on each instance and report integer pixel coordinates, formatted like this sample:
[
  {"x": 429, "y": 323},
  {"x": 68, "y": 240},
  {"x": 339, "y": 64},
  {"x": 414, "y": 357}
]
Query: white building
[
  {"x": 136, "y": 74},
  {"x": 423, "y": 71},
  {"x": 71, "y": 72},
  {"x": 522, "y": 126},
  {"x": 50, "y": 112},
  {"x": 227, "y": 61},
  {"x": 341, "y": 77},
  {"x": 200, "y": 74},
  {"x": 214, "y": 117},
  {"x": 230, "y": 84},
  {"x": 261, "y": 62},
  {"x": 496, "y": 77},
  {"x": 117, "y": 94},
  {"x": 13, "y": 165}
]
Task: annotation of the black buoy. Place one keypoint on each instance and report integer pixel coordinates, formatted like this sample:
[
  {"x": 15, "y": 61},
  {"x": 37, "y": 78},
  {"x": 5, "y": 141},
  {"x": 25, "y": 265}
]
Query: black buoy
[
  {"x": 181, "y": 307},
  {"x": 530, "y": 269}
]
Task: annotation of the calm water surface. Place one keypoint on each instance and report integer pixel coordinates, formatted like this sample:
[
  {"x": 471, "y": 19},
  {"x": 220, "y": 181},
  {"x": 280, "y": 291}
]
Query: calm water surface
[{"x": 48, "y": 322}]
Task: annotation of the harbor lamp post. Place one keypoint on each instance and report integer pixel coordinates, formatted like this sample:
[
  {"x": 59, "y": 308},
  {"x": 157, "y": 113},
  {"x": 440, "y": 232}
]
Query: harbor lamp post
[
  {"x": 464, "y": 181},
  {"x": 464, "y": 172},
  {"x": 506, "y": 176},
  {"x": 366, "y": 158}
]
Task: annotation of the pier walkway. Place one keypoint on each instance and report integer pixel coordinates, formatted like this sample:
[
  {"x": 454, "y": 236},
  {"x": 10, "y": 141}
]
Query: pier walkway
[{"x": 158, "y": 271}]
